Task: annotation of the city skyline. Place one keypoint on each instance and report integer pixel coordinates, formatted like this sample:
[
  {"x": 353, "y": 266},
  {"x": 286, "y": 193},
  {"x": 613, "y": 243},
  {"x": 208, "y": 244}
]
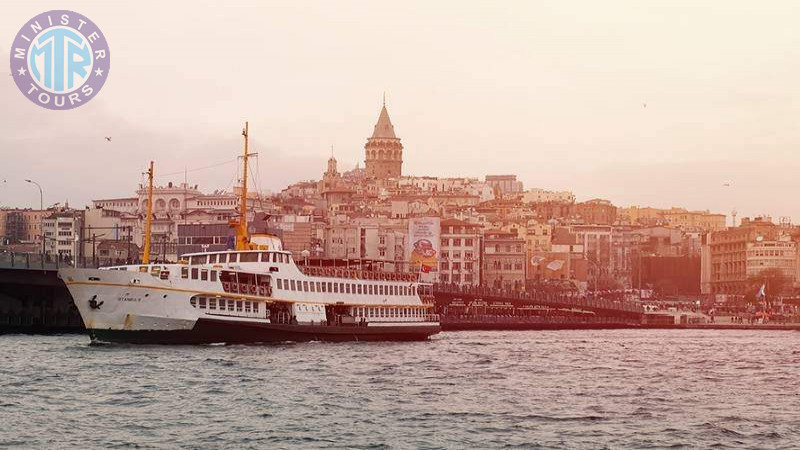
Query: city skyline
[{"x": 713, "y": 110}]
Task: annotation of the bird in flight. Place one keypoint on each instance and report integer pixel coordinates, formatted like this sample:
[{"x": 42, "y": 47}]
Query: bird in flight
[
  {"x": 727, "y": 185},
  {"x": 108, "y": 138}
]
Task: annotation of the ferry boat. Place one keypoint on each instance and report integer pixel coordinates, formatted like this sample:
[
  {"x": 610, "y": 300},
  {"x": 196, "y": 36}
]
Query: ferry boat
[{"x": 254, "y": 293}]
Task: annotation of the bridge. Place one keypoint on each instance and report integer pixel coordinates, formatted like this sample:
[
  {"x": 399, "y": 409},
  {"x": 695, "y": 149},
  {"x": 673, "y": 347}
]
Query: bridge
[
  {"x": 488, "y": 298},
  {"x": 32, "y": 297}
]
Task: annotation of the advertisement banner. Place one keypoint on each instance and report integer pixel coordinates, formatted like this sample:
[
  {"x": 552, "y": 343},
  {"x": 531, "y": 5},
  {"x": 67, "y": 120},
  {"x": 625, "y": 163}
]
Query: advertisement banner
[{"x": 424, "y": 244}]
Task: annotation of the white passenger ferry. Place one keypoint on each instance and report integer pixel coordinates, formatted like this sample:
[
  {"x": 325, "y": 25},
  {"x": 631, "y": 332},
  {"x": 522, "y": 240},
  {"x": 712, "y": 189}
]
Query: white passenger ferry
[{"x": 255, "y": 293}]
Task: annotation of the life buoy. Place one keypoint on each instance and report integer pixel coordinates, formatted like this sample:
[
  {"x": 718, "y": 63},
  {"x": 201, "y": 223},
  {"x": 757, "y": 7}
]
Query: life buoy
[
  {"x": 262, "y": 291},
  {"x": 226, "y": 286}
]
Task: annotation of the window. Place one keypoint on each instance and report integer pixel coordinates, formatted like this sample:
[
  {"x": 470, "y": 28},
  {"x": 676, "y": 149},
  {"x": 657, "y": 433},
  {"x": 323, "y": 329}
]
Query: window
[
  {"x": 239, "y": 306},
  {"x": 248, "y": 257},
  {"x": 293, "y": 287},
  {"x": 222, "y": 304},
  {"x": 305, "y": 286},
  {"x": 193, "y": 302},
  {"x": 347, "y": 287},
  {"x": 456, "y": 266},
  {"x": 280, "y": 283},
  {"x": 212, "y": 303},
  {"x": 457, "y": 242},
  {"x": 359, "y": 289},
  {"x": 336, "y": 288},
  {"x": 445, "y": 265},
  {"x": 213, "y": 275},
  {"x": 468, "y": 242},
  {"x": 247, "y": 307},
  {"x": 204, "y": 275},
  {"x": 184, "y": 272},
  {"x": 445, "y": 278},
  {"x": 195, "y": 271},
  {"x": 325, "y": 287},
  {"x": 369, "y": 289},
  {"x": 314, "y": 286}
]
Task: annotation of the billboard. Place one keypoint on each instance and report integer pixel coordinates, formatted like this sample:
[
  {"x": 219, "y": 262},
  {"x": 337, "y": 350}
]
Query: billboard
[{"x": 424, "y": 244}]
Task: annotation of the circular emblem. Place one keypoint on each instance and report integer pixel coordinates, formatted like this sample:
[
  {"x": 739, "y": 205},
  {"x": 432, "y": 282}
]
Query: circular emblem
[{"x": 60, "y": 59}]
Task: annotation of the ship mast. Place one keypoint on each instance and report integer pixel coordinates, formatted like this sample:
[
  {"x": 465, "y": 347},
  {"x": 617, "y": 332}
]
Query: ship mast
[
  {"x": 149, "y": 219},
  {"x": 242, "y": 234}
]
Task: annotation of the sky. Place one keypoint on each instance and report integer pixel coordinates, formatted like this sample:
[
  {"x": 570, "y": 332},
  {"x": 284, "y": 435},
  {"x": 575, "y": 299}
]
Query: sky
[{"x": 642, "y": 103}]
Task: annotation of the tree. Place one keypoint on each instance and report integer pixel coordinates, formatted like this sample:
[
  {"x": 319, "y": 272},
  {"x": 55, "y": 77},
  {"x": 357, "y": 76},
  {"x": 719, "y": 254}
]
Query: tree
[{"x": 775, "y": 283}]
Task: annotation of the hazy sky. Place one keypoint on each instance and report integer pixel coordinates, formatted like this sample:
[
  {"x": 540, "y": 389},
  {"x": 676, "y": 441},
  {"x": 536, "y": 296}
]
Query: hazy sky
[{"x": 552, "y": 91}]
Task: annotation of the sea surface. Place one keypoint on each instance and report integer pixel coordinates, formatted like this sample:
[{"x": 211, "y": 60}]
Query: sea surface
[{"x": 554, "y": 389}]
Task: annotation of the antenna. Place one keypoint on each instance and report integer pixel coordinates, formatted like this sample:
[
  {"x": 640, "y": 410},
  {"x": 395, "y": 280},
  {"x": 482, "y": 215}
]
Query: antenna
[{"x": 733, "y": 214}]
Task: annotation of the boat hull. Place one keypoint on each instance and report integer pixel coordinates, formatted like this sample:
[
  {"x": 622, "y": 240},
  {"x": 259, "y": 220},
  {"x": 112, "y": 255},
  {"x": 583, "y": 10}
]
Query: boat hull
[{"x": 207, "y": 331}]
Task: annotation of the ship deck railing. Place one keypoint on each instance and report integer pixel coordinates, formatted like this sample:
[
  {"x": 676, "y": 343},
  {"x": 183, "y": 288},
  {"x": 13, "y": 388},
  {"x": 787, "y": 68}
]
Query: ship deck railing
[{"x": 357, "y": 274}]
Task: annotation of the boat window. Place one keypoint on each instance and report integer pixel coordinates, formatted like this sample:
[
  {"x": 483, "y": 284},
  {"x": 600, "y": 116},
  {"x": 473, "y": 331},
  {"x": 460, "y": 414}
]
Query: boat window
[
  {"x": 293, "y": 285},
  {"x": 358, "y": 288},
  {"x": 280, "y": 283},
  {"x": 313, "y": 286},
  {"x": 222, "y": 304},
  {"x": 347, "y": 288},
  {"x": 193, "y": 302},
  {"x": 256, "y": 307},
  {"x": 212, "y": 303},
  {"x": 247, "y": 307},
  {"x": 305, "y": 286},
  {"x": 213, "y": 275},
  {"x": 274, "y": 257},
  {"x": 184, "y": 272},
  {"x": 204, "y": 275},
  {"x": 195, "y": 271},
  {"x": 230, "y": 305},
  {"x": 248, "y": 257},
  {"x": 202, "y": 303}
]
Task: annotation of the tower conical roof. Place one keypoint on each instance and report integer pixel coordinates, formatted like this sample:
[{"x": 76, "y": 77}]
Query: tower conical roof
[{"x": 384, "y": 128}]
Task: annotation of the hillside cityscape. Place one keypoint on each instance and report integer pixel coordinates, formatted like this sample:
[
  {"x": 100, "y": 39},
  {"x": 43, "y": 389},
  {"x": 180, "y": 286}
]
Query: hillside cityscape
[{"x": 493, "y": 232}]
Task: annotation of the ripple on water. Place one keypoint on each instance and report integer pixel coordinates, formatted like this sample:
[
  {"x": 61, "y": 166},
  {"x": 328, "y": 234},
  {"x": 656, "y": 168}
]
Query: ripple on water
[{"x": 554, "y": 389}]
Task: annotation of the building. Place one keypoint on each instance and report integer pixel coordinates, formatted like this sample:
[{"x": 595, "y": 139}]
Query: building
[
  {"x": 596, "y": 212},
  {"x": 537, "y": 195},
  {"x": 694, "y": 220},
  {"x": 504, "y": 184},
  {"x": 460, "y": 260},
  {"x": 741, "y": 252},
  {"x": 62, "y": 232},
  {"x": 503, "y": 260},
  {"x": 383, "y": 150}
]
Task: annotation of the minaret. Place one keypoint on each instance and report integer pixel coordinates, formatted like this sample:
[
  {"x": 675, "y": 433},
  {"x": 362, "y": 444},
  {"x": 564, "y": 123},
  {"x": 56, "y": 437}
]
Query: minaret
[{"x": 384, "y": 152}]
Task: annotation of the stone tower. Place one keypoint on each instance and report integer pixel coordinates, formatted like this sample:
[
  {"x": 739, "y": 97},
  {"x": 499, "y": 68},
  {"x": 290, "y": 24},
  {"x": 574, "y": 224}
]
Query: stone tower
[{"x": 384, "y": 152}]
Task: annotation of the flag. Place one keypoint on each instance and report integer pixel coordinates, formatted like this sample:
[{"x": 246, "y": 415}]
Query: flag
[
  {"x": 425, "y": 269},
  {"x": 555, "y": 265},
  {"x": 536, "y": 260}
]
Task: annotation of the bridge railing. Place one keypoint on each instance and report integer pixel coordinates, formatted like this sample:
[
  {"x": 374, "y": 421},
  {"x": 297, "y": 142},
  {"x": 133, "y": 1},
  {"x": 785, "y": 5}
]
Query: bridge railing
[
  {"x": 16, "y": 260},
  {"x": 552, "y": 298}
]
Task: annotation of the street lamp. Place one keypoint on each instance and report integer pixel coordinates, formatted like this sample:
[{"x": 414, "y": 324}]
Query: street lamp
[{"x": 41, "y": 210}]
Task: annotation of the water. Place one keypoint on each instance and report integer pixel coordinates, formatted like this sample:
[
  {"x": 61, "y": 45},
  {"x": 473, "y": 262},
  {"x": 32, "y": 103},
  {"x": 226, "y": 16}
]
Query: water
[{"x": 570, "y": 389}]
